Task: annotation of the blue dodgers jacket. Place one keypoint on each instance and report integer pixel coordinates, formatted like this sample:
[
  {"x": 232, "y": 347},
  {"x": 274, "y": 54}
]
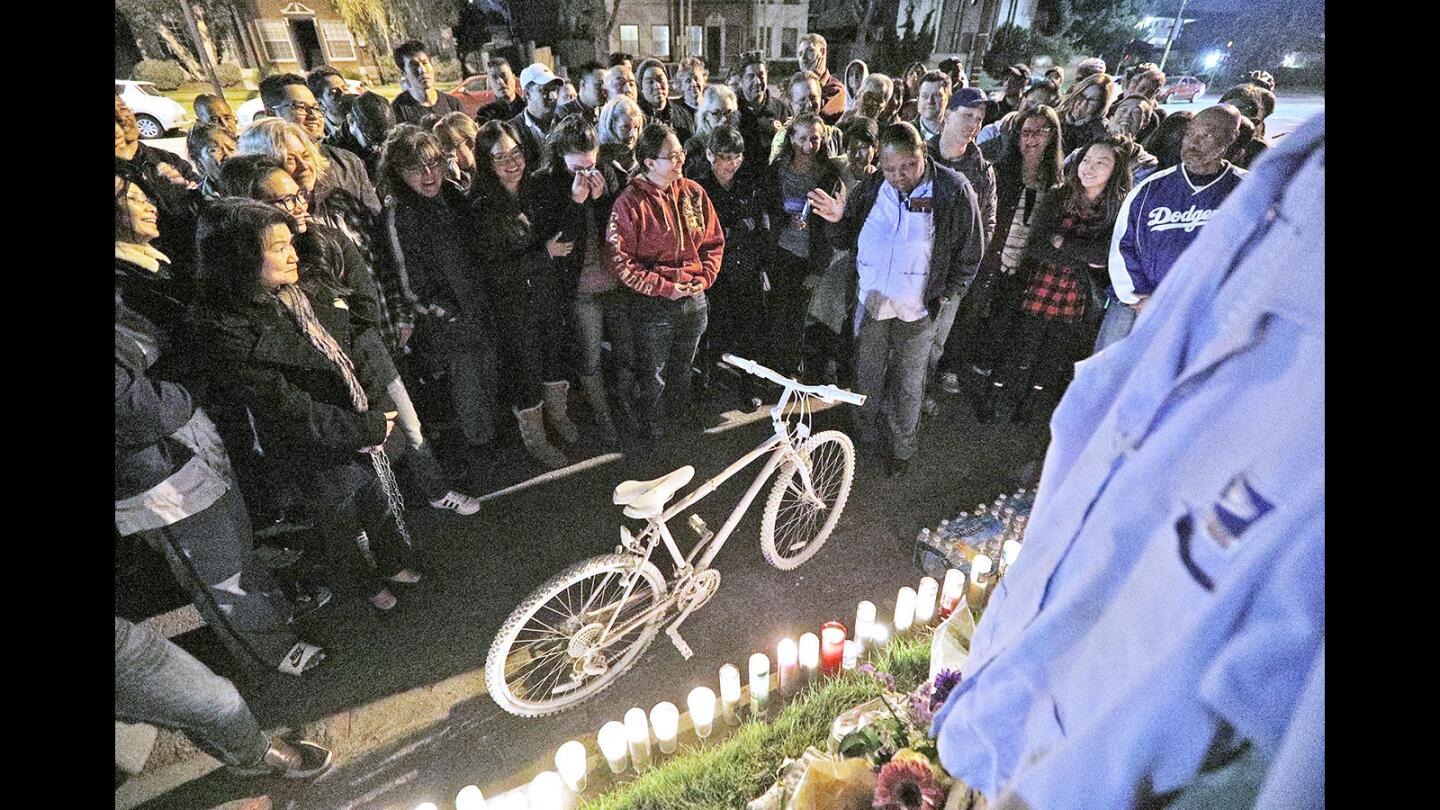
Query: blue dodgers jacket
[
  {"x": 1171, "y": 590},
  {"x": 1161, "y": 216}
]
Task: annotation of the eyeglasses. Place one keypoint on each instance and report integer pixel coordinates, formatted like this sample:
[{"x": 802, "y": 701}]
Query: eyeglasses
[
  {"x": 428, "y": 166},
  {"x": 301, "y": 108},
  {"x": 676, "y": 157},
  {"x": 289, "y": 204},
  {"x": 514, "y": 157},
  {"x": 730, "y": 158}
]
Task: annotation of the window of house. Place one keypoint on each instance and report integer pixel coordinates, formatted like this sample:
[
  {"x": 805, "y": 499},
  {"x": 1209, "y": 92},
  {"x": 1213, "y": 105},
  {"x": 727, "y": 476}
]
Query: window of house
[
  {"x": 660, "y": 41},
  {"x": 788, "y": 38},
  {"x": 697, "y": 40},
  {"x": 275, "y": 38},
  {"x": 338, "y": 41},
  {"x": 630, "y": 38}
]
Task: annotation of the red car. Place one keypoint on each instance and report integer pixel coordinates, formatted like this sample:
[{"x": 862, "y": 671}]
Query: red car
[
  {"x": 473, "y": 93},
  {"x": 1181, "y": 88}
]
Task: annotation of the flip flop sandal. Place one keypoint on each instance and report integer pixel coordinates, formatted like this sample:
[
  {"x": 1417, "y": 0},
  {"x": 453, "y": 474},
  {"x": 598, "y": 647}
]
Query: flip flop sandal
[
  {"x": 405, "y": 577},
  {"x": 383, "y": 601},
  {"x": 315, "y": 759},
  {"x": 302, "y": 658}
]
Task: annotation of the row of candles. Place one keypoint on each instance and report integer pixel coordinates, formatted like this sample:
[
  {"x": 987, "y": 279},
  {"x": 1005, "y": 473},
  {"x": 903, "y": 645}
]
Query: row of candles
[{"x": 627, "y": 743}]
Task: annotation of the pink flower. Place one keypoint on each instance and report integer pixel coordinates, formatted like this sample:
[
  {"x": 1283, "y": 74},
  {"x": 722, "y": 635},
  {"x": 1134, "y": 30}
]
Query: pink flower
[{"x": 907, "y": 786}]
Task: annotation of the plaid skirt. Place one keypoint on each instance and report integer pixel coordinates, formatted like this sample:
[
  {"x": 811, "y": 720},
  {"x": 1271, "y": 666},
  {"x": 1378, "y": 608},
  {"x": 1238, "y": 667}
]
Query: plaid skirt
[{"x": 1056, "y": 293}]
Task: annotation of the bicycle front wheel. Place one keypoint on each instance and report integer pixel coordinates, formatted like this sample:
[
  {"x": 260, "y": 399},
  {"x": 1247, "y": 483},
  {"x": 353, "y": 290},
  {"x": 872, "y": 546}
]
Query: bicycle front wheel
[
  {"x": 794, "y": 525},
  {"x": 550, "y": 655}
]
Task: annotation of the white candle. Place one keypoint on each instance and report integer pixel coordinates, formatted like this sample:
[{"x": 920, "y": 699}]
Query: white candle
[
  {"x": 1010, "y": 551},
  {"x": 612, "y": 744},
  {"x": 851, "y": 656},
  {"x": 979, "y": 570},
  {"x": 573, "y": 765},
  {"x": 925, "y": 601},
  {"x": 547, "y": 792},
  {"x": 787, "y": 656},
  {"x": 701, "y": 702},
  {"x": 426, "y": 806},
  {"x": 637, "y": 734},
  {"x": 665, "y": 719},
  {"x": 951, "y": 591},
  {"x": 470, "y": 798},
  {"x": 759, "y": 683},
  {"x": 729, "y": 693},
  {"x": 809, "y": 655},
  {"x": 511, "y": 800},
  {"x": 904, "y": 609},
  {"x": 864, "y": 617}
]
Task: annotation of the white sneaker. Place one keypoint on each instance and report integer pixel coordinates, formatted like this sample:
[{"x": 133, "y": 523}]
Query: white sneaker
[{"x": 457, "y": 503}]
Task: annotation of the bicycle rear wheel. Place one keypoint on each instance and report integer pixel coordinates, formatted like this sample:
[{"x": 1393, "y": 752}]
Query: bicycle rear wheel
[
  {"x": 545, "y": 657},
  {"x": 793, "y": 527}
]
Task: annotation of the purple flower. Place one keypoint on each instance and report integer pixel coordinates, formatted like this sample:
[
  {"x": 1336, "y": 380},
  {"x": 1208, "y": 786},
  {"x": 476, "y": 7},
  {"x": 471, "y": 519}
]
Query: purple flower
[
  {"x": 886, "y": 678},
  {"x": 921, "y": 708},
  {"x": 945, "y": 683},
  {"x": 907, "y": 786}
]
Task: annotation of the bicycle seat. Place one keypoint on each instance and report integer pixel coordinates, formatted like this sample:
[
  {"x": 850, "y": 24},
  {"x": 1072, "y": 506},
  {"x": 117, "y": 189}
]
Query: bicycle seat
[{"x": 647, "y": 499}]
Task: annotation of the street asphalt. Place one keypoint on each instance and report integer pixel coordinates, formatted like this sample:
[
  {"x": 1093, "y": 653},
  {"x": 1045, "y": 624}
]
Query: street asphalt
[{"x": 480, "y": 567}]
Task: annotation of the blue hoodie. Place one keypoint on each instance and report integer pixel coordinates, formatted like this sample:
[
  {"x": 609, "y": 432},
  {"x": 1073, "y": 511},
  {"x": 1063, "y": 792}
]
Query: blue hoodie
[{"x": 1160, "y": 218}]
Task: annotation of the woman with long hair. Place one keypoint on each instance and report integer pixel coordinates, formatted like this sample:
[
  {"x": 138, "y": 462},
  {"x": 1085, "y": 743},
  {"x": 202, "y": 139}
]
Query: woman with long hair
[
  {"x": 284, "y": 349},
  {"x": 456, "y": 132},
  {"x": 800, "y": 251},
  {"x": 1030, "y": 165},
  {"x": 1064, "y": 265},
  {"x": 907, "y": 91},
  {"x": 1084, "y": 108},
  {"x": 667, "y": 246},
  {"x": 434, "y": 255},
  {"x": 528, "y": 282}
]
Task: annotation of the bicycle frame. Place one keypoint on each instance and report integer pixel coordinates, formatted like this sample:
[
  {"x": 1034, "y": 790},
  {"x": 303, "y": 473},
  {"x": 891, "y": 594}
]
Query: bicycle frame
[{"x": 780, "y": 446}]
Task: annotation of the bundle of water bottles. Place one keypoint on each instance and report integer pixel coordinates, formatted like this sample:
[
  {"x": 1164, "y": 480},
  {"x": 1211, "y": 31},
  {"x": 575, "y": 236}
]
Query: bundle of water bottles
[{"x": 993, "y": 532}]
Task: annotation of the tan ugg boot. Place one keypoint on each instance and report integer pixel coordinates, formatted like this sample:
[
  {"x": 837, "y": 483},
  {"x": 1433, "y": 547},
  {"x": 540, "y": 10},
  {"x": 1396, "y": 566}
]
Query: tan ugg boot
[
  {"x": 600, "y": 405},
  {"x": 532, "y": 432},
  {"x": 557, "y": 396}
]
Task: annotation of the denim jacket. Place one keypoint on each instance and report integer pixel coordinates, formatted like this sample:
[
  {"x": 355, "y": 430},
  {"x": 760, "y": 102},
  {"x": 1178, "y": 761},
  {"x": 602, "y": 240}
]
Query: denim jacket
[{"x": 1171, "y": 587}]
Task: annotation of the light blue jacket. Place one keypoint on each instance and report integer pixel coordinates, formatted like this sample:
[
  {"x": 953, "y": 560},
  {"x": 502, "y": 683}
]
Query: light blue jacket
[{"x": 1172, "y": 579}]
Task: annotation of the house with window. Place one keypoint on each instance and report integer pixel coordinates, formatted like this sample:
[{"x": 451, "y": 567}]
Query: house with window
[
  {"x": 717, "y": 31},
  {"x": 294, "y": 36}
]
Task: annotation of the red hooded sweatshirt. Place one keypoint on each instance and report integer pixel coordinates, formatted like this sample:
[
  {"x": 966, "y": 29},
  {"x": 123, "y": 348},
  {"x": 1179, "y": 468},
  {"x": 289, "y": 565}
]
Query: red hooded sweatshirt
[{"x": 661, "y": 237}]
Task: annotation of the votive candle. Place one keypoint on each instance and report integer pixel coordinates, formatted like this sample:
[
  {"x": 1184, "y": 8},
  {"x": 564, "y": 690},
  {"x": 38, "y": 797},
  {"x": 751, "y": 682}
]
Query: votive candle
[
  {"x": 925, "y": 601},
  {"x": 951, "y": 591},
  {"x": 729, "y": 694},
  {"x": 852, "y": 655},
  {"x": 573, "y": 765},
  {"x": 809, "y": 655},
  {"x": 469, "y": 798},
  {"x": 546, "y": 792},
  {"x": 904, "y": 609},
  {"x": 612, "y": 744},
  {"x": 759, "y": 683},
  {"x": 701, "y": 702},
  {"x": 665, "y": 719},
  {"x": 787, "y": 662},
  {"x": 637, "y": 734},
  {"x": 832, "y": 647},
  {"x": 864, "y": 617}
]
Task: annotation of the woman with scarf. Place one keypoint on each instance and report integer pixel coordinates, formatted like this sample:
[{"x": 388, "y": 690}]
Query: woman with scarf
[
  {"x": 285, "y": 349},
  {"x": 174, "y": 487}
]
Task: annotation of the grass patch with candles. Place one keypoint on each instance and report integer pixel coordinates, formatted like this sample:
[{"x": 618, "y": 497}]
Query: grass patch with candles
[{"x": 731, "y": 773}]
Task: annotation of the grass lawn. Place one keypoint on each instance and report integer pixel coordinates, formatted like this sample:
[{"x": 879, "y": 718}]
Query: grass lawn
[
  {"x": 237, "y": 95},
  {"x": 732, "y": 773}
]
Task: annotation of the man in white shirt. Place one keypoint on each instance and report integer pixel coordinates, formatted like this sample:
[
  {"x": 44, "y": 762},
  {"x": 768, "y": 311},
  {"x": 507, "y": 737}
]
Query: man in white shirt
[{"x": 914, "y": 227}]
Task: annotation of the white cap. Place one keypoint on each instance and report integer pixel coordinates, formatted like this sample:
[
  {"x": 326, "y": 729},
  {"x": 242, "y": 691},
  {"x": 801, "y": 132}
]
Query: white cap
[{"x": 538, "y": 74}]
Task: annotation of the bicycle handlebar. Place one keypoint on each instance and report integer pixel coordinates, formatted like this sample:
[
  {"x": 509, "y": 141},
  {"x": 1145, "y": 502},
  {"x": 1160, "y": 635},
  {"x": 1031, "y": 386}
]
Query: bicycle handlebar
[{"x": 826, "y": 393}]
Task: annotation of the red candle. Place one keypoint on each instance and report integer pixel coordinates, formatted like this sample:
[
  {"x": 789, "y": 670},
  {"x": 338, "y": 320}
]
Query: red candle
[{"x": 832, "y": 646}]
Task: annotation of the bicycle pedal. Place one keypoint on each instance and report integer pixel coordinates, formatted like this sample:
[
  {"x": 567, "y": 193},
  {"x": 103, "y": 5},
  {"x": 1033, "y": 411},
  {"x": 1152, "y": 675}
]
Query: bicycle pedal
[{"x": 679, "y": 642}]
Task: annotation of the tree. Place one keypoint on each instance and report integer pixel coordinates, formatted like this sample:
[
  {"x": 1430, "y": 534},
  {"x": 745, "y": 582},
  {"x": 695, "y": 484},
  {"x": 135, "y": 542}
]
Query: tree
[
  {"x": 160, "y": 27},
  {"x": 864, "y": 13},
  {"x": 1101, "y": 27},
  {"x": 606, "y": 12}
]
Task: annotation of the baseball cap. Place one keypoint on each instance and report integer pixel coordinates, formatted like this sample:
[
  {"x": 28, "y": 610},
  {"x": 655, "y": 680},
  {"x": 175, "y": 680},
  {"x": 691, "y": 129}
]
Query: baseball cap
[
  {"x": 966, "y": 97},
  {"x": 538, "y": 74},
  {"x": 1091, "y": 65}
]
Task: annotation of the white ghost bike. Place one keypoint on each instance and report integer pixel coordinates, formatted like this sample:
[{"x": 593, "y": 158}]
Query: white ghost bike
[{"x": 578, "y": 632}]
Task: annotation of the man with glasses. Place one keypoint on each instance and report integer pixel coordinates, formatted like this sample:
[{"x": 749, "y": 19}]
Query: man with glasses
[
  {"x": 211, "y": 109},
  {"x": 287, "y": 96},
  {"x": 542, "y": 95},
  {"x": 421, "y": 96},
  {"x": 330, "y": 88}
]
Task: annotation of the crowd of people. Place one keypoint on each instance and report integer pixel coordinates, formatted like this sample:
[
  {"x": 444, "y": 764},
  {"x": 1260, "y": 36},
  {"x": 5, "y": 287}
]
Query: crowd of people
[{"x": 305, "y": 313}]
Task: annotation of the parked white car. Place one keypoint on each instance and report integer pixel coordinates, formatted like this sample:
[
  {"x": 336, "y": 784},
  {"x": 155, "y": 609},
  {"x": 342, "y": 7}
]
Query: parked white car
[{"x": 155, "y": 113}]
